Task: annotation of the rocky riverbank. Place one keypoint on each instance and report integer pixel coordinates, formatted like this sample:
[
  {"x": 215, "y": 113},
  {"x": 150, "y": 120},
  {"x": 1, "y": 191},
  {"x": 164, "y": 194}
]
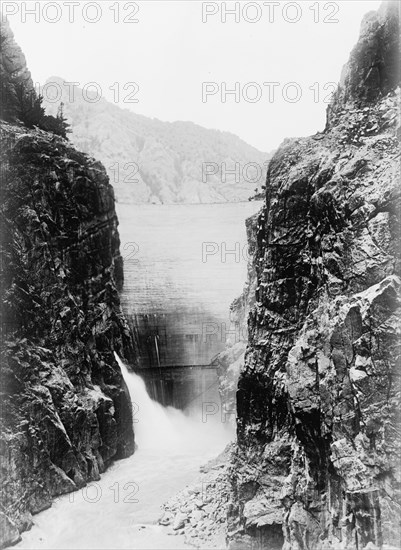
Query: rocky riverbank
[{"x": 199, "y": 512}]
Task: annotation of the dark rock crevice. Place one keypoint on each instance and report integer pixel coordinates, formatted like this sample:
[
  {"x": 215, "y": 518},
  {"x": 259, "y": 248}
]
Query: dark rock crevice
[
  {"x": 66, "y": 412},
  {"x": 319, "y": 378}
]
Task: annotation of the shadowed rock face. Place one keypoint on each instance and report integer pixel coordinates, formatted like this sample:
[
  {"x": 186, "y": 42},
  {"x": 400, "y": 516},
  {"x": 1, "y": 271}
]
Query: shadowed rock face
[
  {"x": 318, "y": 398},
  {"x": 14, "y": 75},
  {"x": 373, "y": 69},
  {"x": 65, "y": 410},
  {"x": 230, "y": 361}
]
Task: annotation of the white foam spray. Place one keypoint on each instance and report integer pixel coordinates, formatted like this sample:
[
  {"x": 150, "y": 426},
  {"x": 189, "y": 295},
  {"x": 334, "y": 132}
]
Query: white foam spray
[{"x": 167, "y": 428}]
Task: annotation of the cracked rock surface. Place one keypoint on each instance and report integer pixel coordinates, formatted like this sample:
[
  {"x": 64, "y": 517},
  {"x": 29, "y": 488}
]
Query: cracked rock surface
[
  {"x": 65, "y": 414},
  {"x": 317, "y": 461}
]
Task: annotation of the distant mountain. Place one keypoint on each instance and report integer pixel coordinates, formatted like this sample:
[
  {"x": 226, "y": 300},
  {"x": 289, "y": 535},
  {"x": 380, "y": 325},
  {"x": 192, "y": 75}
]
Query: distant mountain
[{"x": 150, "y": 161}]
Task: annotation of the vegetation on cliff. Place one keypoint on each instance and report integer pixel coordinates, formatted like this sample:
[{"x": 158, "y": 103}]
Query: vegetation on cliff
[
  {"x": 19, "y": 101},
  {"x": 152, "y": 161},
  {"x": 65, "y": 412}
]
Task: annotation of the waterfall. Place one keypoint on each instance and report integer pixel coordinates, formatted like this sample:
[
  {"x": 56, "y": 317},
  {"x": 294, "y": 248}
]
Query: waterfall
[
  {"x": 166, "y": 428},
  {"x": 152, "y": 423},
  {"x": 112, "y": 512}
]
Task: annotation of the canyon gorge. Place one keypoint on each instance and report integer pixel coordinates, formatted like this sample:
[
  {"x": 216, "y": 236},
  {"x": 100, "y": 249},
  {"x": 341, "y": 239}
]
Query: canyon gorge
[
  {"x": 221, "y": 375},
  {"x": 317, "y": 459},
  {"x": 65, "y": 411}
]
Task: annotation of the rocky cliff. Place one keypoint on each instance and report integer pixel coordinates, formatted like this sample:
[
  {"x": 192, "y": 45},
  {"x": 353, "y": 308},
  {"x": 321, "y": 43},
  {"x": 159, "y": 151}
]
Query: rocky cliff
[
  {"x": 318, "y": 401},
  {"x": 65, "y": 412},
  {"x": 151, "y": 161},
  {"x": 15, "y": 78},
  {"x": 230, "y": 361}
]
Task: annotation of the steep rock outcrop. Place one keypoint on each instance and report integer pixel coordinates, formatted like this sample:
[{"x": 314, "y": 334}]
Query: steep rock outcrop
[
  {"x": 230, "y": 361},
  {"x": 65, "y": 412},
  {"x": 317, "y": 461},
  {"x": 16, "y": 82},
  {"x": 373, "y": 69}
]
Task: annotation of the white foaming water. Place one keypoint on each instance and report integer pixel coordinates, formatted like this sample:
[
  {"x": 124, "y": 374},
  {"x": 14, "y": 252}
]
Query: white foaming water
[
  {"x": 153, "y": 425},
  {"x": 167, "y": 428},
  {"x": 121, "y": 510}
]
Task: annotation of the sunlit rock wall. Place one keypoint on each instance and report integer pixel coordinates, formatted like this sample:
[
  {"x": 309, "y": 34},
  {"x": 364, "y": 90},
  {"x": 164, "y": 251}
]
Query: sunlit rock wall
[{"x": 317, "y": 462}]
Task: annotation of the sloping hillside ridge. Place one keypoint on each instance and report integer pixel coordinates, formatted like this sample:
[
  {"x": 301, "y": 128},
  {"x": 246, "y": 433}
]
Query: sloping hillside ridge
[{"x": 151, "y": 161}]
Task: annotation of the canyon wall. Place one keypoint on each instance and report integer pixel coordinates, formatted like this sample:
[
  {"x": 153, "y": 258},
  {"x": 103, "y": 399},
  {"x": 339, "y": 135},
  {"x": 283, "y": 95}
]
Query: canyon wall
[
  {"x": 317, "y": 460},
  {"x": 65, "y": 412},
  {"x": 230, "y": 361}
]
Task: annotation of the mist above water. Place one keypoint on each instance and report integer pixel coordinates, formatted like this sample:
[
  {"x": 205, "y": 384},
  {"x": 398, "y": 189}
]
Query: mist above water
[
  {"x": 169, "y": 429},
  {"x": 122, "y": 509}
]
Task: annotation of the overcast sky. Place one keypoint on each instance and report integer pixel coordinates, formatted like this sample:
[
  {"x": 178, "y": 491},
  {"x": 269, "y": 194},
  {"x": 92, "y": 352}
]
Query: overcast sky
[{"x": 177, "y": 46}]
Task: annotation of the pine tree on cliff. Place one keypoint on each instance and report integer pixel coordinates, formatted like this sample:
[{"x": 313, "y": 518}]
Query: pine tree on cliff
[
  {"x": 62, "y": 120},
  {"x": 29, "y": 107},
  {"x": 58, "y": 125}
]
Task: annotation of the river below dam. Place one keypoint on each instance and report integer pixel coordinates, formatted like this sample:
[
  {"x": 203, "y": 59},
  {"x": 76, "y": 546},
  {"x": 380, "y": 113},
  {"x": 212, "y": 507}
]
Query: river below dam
[
  {"x": 172, "y": 287},
  {"x": 122, "y": 509}
]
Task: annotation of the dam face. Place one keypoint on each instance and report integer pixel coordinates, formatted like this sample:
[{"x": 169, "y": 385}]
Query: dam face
[
  {"x": 183, "y": 266},
  {"x": 188, "y": 388}
]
